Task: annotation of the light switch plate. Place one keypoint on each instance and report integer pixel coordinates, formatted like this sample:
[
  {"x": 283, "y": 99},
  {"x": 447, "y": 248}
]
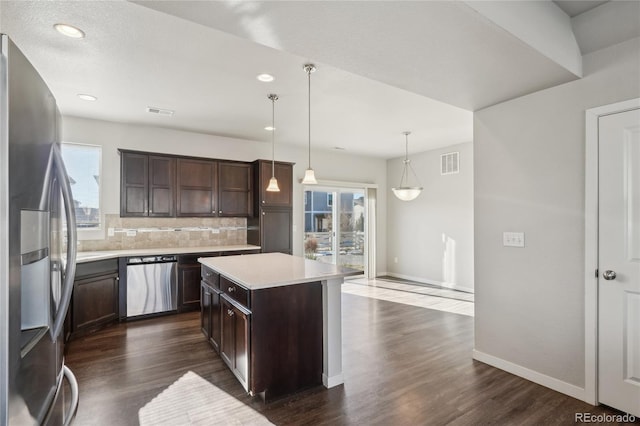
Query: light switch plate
[
  {"x": 110, "y": 232},
  {"x": 513, "y": 239}
]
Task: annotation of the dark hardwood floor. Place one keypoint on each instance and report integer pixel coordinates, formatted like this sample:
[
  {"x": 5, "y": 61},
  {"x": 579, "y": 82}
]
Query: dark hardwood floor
[{"x": 403, "y": 365}]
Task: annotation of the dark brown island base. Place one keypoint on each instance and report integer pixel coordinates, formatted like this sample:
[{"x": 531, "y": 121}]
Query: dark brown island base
[{"x": 275, "y": 320}]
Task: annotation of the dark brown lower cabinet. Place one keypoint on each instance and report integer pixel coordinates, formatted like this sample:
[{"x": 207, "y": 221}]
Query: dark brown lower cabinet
[
  {"x": 210, "y": 314},
  {"x": 234, "y": 346},
  {"x": 95, "y": 295},
  {"x": 275, "y": 227},
  {"x": 189, "y": 291},
  {"x": 188, "y": 287},
  {"x": 271, "y": 339}
]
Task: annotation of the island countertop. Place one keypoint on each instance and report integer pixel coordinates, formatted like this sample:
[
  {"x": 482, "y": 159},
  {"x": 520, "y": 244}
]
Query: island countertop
[{"x": 266, "y": 270}]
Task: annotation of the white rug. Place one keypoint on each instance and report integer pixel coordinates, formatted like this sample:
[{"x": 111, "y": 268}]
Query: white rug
[{"x": 191, "y": 400}]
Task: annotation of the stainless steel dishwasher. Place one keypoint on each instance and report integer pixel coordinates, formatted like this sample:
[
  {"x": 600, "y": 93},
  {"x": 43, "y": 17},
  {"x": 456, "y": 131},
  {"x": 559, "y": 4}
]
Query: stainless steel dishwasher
[{"x": 151, "y": 285}]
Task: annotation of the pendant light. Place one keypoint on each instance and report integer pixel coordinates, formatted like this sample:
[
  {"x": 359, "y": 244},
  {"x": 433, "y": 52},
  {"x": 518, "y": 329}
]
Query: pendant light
[
  {"x": 273, "y": 182},
  {"x": 405, "y": 192},
  {"x": 309, "y": 174}
]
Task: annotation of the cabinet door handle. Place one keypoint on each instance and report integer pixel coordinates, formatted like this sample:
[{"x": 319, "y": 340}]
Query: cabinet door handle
[
  {"x": 231, "y": 289},
  {"x": 220, "y": 212},
  {"x": 263, "y": 201},
  {"x": 263, "y": 213},
  {"x": 229, "y": 312}
]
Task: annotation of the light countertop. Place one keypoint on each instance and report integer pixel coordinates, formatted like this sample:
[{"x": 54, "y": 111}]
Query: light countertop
[
  {"x": 90, "y": 256},
  {"x": 265, "y": 270}
]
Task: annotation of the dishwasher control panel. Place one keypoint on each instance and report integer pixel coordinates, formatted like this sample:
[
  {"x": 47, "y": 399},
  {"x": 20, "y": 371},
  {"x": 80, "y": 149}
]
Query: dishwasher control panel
[{"x": 151, "y": 259}]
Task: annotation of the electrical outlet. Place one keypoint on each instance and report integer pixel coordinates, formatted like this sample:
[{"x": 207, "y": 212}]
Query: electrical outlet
[
  {"x": 215, "y": 230},
  {"x": 513, "y": 239}
]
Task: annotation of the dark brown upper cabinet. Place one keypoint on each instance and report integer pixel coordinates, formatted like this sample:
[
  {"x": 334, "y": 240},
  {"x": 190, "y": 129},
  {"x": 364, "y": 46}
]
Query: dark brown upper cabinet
[
  {"x": 147, "y": 185},
  {"x": 284, "y": 175},
  {"x": 235, "y": 194},
  {"x": 163, "y": 185},
  {"x": 197, "y": 187},
  {"x": 162, "y": 178}
]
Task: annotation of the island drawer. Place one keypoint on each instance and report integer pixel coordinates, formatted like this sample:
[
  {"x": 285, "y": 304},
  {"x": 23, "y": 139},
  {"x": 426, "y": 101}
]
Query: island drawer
[
  {"x": 235, "y": 291},
  {"x": 211, "y": 277}
]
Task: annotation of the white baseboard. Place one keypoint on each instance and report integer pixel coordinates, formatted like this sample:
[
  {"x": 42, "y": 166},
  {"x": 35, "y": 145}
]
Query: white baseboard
[
  {"x": 332, "y": 381},
  {"x": 531, "y": 375},
  {"x": 444, "y": 284}
]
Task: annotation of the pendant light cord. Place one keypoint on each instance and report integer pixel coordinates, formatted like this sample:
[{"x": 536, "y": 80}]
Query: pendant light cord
[
  {"x": 309, "y": 110},
  {"x": 406, "y": 147},
  {"x": 273, "y": 133}
]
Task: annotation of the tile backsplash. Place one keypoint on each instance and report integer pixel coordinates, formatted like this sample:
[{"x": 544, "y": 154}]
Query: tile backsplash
[{"x": 142, "y": 232}]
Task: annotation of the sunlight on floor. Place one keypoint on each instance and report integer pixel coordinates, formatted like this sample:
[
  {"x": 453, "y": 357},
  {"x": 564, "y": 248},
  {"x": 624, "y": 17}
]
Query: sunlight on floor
[
  {"x": 191, "y": 400},
  {"x": 415, "y": 295}
]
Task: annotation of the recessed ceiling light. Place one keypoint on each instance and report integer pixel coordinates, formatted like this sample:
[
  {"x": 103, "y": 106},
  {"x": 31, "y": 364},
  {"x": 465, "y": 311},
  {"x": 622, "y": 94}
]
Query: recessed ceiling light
[
  {"x": 69, "y": 30},
  {"x": 265, "y": 78},
  {"x": 270, "y": 128},
  {"x": 86, "y": 97}
]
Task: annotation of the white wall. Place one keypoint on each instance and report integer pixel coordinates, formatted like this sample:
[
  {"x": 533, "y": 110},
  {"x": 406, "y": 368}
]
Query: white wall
[
  {"x": 432, "y": 236},
  {"x": 337, "y": 166},
  {"x": 529, "y": 176}
]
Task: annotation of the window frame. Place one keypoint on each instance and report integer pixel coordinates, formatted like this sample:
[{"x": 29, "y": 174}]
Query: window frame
[{"x": 97, "y": 232}]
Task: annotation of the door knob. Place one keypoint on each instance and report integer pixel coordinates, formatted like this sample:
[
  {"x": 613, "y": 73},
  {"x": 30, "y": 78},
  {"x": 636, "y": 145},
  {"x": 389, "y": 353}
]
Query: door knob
[{"x": 609, "y": 275}]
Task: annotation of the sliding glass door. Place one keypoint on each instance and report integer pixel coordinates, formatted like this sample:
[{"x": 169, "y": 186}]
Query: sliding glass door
[{"x": 335, "y": 223}]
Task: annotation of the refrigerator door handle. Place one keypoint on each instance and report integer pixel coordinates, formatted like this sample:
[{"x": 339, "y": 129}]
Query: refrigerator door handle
[
  {"x": 73, "y": 384},
  {"x": 72, "y": 242}
]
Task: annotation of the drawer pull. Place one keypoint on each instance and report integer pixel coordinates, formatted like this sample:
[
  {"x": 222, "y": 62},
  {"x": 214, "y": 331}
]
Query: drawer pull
[
  {"x": 231, "y": 289},
  {"x": 229, "y": 312}
]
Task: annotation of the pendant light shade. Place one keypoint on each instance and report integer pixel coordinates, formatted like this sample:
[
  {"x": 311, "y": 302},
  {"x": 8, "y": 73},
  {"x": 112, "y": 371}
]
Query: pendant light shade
[
  {"x": 273, "y": 182},
  {"x": 405, "y": 192},
  {"x": 309, "y": 174}
]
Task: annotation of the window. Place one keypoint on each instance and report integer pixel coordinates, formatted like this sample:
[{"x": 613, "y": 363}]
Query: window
[{"x": 83, "y": 166}]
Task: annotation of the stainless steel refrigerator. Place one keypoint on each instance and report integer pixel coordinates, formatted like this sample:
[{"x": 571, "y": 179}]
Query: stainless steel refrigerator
[{"x": 37, "y": 250}]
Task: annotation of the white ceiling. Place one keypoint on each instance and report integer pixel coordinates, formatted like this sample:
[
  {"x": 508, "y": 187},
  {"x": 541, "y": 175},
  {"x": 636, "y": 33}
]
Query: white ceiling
[
  {"x": 576, "y": 7},
  {"x": 380, "y": 67}
]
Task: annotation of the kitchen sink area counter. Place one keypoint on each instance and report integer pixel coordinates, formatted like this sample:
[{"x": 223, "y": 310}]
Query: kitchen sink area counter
[
  {"x": 90, "y": 256},
  {"x": 117, "y": 285},
  {"x": 275, "y": 320}
]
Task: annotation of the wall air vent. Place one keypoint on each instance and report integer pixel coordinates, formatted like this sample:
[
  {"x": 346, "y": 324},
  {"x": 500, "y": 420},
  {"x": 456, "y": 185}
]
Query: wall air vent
[
  {"x": 160, "y": 111},
  {"x": 449, "y": 163}
]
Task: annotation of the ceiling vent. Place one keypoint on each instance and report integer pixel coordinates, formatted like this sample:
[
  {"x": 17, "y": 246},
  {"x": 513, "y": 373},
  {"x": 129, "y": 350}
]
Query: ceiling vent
[
  {"x": 449, "y": 163},
  {"x": 160, "y": 111}
]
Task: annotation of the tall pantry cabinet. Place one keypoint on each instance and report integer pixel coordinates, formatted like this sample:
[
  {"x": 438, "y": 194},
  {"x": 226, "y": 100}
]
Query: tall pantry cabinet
[{"x": 271, "y": 228}]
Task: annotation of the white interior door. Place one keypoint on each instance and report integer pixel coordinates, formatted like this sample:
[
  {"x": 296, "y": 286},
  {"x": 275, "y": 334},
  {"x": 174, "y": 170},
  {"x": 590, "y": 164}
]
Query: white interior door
[{"x": 619, "y": 261}]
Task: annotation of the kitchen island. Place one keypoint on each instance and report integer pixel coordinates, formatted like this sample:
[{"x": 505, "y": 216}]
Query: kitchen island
[{"x": 275, "y": 320}]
